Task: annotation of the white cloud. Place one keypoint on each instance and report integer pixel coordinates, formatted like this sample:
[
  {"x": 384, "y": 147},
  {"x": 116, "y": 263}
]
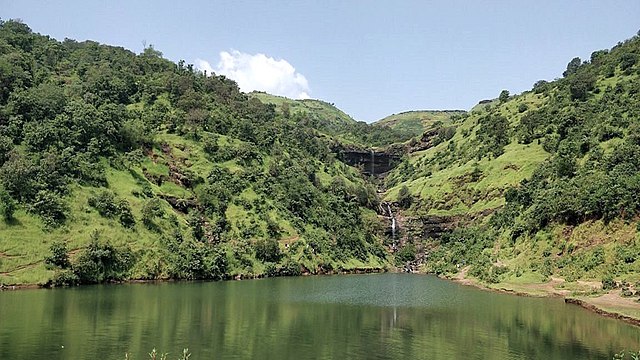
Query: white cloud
[{"x": 259, "y": 72}]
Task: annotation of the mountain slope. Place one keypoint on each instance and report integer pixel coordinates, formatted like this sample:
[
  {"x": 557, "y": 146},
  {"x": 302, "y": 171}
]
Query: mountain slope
[
  {"x": 416, "y": 122},
  {"x": 558, "y": 168},
  {"x": 325, "y": 114},
  {"x": 115, "y": 165},
  {"x": 333, "y": 122}
]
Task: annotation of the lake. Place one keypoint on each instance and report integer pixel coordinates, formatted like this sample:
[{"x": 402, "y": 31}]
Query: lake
[{"x": 377, "y": 316}]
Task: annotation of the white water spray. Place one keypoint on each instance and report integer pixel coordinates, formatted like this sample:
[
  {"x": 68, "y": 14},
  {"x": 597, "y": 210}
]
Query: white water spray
[{"x": 393, "y": 222}]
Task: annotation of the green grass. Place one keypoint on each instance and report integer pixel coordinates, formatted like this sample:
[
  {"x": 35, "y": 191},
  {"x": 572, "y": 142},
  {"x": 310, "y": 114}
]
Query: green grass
[
  {"x": 416, "y": 122},
  {"x": 316, "y": 108}
]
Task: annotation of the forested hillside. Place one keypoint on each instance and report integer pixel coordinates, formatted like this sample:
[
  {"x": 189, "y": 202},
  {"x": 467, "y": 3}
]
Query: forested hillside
[
  {"x": 547, "y": 182},
  {"x": 116, "y": 165}
]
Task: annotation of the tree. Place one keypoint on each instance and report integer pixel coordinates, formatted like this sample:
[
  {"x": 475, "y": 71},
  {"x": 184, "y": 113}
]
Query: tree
[
  {"x": 268, "y": 250},
  {"x": 404, "y": 197},
  {"x": 59, "y": 255},
  {"x": 101, "y": 262},
  {"x": 7, "y": 205},
  {"x": 197, "y": 223},
  {"x": 504, "y": 96},
  {"x": 580, "y": 85},
  {"x": 572, "y": 66},
  {"x": 105, "y": 202},
  {"x": 627, "y": 60},
  {"x": 126, "y": 215}
]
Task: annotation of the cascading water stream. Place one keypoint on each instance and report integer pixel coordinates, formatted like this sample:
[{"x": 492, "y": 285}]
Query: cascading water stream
[
  {"x": 373, "y": 157},
  {"x": 393, "y": 223}
]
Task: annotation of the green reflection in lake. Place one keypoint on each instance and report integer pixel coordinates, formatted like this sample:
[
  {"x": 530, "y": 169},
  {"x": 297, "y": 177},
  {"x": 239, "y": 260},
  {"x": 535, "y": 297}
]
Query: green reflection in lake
[{"x": 385, "y": 316}]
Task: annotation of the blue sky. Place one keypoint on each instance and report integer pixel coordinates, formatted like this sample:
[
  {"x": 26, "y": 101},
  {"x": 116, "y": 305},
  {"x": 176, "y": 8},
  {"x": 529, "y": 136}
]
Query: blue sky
[{"x": 370, "y": 58}]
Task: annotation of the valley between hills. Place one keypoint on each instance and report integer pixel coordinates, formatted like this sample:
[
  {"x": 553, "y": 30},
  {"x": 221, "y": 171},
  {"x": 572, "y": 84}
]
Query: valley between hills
[{"x": 116, "y": 166}]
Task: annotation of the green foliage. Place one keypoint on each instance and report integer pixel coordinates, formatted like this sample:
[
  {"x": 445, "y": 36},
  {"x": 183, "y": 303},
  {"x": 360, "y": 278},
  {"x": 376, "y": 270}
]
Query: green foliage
[
  {"x": 64, "y": 277},
  {"x": 125, "y": 214},
  {"x": 405, "y": 254},
  {"x": 404, "y": 197},
  {"x": 493, "y": 135},
  {"x": 105, "y": 202},
  {"x": 151, "y": 210},
  {"x": 572, "y": 66},
  {"x": 268, "y": 250},
  {"x": 101, "y": 262},
  {"x": 59, "y": 255},
  {"x": 504, "y": 96},
  {"x": 109, "y": 206},
  {"x": 196, "y": 260},
  {"x": 243, "y": 172},
  {"x": 608, "y": 283},
  {"x": 7, "y": 205},
  {"x": 51, "y": 207},
  {"x": 522, "y": 108},
  {"x": 581, "y": 84}
]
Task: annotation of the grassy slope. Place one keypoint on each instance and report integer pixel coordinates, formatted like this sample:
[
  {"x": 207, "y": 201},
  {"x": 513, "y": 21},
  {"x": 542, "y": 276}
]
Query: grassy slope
[
  {"x": 448, "y": 189},
  {"x": 416, "y": 122},
  {"x": 25, "y": 242},
  {"x": 315, "y": 108}
]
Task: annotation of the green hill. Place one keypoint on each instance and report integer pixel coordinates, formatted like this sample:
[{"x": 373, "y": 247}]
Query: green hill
[
  {"x": 414, "y": 123},
  {"x": 333, "y": 122},
  {"x": 115, "y": 165},
  {"x": 324, "y": 114},
  {"x": 557, "y": 167}
]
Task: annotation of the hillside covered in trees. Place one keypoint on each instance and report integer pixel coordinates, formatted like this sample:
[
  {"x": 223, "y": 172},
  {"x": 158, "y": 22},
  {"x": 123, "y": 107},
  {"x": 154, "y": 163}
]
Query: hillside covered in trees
[
  {"x": 116, "y": 165},
  {"x": 546, "y": 183}
]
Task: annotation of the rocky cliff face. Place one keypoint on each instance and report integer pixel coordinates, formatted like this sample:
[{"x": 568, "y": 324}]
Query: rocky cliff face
[{"x": 371, "y": 162}]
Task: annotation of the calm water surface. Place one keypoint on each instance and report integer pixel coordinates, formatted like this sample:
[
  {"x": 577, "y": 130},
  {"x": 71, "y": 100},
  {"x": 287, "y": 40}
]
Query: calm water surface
[{"x": 385, "y": 316}]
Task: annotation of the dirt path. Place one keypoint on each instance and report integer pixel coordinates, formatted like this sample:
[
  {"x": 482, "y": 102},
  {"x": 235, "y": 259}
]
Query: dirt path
[
  {"x": 7, "y": 256},
  {"x": 8, "y": 273}
]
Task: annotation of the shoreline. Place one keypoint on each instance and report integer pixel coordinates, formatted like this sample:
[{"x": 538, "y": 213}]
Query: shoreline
[
  {"x": 544, "y": 292},
  {"x": 239, "y": 277},
  {"x": 535, "y": 289}
]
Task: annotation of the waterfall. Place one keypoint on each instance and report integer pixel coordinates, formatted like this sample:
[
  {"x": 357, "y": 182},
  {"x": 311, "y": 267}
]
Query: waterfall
[
  {"x": 373, "y": 157},
  {"x": 393, "y": 227},
  {"x": 393, "y": 222}
]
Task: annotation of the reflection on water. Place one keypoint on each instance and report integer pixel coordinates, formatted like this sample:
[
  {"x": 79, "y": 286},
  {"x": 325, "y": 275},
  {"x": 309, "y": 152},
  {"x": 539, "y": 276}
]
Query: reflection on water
[{"x": 385, "y": 316}]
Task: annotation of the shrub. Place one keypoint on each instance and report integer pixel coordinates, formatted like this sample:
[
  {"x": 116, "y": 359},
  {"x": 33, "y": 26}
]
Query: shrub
[
  {"x": 151, "y": 210},
  {"x": 105, "y": 203},
  {"x": 522, "y": 108},
  {"x": 406, "y": 254},
  {"x": 268, "y": 250},
  {"x": 50, "y": 206},
  {"x": 404, "y": 197},
  {"x": 65, "y": 277},
  {"x": 101, "y": 262},
  {"x": 126, "y": 215},
  {"x": 59, "y": 255},
  {"x": 608, "y": 283},
  {"x": 7, "y": 205},
  {"x": 210, "y": 144}
]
